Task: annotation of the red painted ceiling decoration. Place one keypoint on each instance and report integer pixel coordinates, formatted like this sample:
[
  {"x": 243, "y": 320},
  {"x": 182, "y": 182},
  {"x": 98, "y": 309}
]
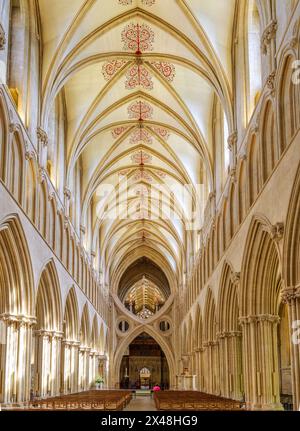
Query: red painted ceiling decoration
[
  {"x": 124, "y": 173},
  {"x": 141, "y": 135},
  {"x": 141, "y": 158},
  {"x": 144, "y": 2},
  {"x": 138, "y": 76},
  {"x": 141, "y": 213},
  {"x": 138, "y": 38},
  {"x": 140, "y": 111},
  {"x": 110, "y": 68},
  {"x": 161, "y": 131},
  {"x": 142, "y": 191},
  {"x": 166, "y": 69},
  {"x": 118, "y": 131},
  {"x": 148, "y": 2},
  {"x": 142, "y": 174},
  {"x": 161, "y": 174}
]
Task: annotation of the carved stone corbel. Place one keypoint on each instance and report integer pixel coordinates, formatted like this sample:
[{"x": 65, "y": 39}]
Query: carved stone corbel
[
  {"x": 268, "y": 34},
  {"x": 67, "y": 193},
  {"x": 29, "y": 154},
  {"x": 254, "y": 129},
  {"x": 271, "y": 83},
  {"x": 232, "y": 140},
  {"x": 277, "y": 231},
  {"x": 13, "y": 128},
  {"x": 232, "y": 174},
  {"x": 51, "y": 196},
  {"x": 42, "y": 175},
  {"x": 235, "y": 278},
  {"x": 42, "y": 136}
]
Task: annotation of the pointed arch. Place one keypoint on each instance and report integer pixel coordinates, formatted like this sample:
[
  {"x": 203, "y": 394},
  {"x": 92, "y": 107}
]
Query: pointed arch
[
  {"x": 268, "y": 140},
  {"x": 228, "y": 307},
  {"x": 85, "y": 327},
  {"x": 16, "y": 286},
  {"x": 261, "y": 270},
  {"x": 210, "y": 324},
  {"x": 152, "y": 333},
  {"x": 48, "y": 302},
  {"x": 253, "y": 169},
  {"x": 242, "y": 192},
  {"x": 16, "y": 167},
  {"x": 291, "y": 247},
  {"x": 71, "y": 317},
  {"x": 95, "y": 341},
  {"x": 31, "y": 189},
  {"x": 288, "y": 101},
  {"x": 198, "y": 328},
  {"x": 3, "y": 138}
]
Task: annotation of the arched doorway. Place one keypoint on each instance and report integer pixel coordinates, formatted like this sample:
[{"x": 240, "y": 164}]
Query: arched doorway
[{"x": 144, "y": 354}]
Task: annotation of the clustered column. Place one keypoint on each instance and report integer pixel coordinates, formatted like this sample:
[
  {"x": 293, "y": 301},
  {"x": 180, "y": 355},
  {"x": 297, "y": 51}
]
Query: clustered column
[
  {"x": 291, "y": 296},
  {"x": 84, "y": 353},
  {"x": 231, "y": 360},
  {"x": 70, "y": 366},
  {"x": 48, "y": 348},
  {"x": 261, "y": 362},
  {"x": 15, "y": 361},
  {"x": 211, "y": 367}
]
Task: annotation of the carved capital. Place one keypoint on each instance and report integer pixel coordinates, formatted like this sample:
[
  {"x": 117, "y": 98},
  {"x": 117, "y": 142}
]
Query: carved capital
[
  {"x": 271, "y": 82},
  {"x": 20, "y": 320},
  {"x": 2, "y": 38},
  {"x": 268, "y": 34},
  {"x": 211, "y": 195},
  {"x": 259, "y": 318},
  {"x": 290, "y": 294},
  {"x": 243, "y": 157},
  {"x": 232, "y": 140},
  {"x": 66, "y": 221},
  {"x": 229, "y": 334},
  {"x": 42, "y": 175},
  {"x": 29, "y": 154},
  {"x": 13, "y": 128},
  {"x": 254, "y": 129},
  {"x": 42, "y": 136},
  {"x": 232, "y": 174},
  {"x": 235, "y": 278},
  {"x": 277, "y": 231},
  {"x": 51, "y": 196},
  {"x": 67, "y": 193},
  {"x": 210, "y": 343}
]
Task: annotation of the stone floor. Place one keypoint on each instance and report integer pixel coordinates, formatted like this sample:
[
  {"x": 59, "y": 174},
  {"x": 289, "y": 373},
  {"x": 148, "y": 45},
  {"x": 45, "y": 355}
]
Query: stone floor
[{"x": 141, "y": 403}]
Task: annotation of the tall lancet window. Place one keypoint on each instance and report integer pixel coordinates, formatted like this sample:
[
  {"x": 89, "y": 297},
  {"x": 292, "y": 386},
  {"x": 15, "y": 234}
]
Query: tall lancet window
[{"x": 254, "y": 57}]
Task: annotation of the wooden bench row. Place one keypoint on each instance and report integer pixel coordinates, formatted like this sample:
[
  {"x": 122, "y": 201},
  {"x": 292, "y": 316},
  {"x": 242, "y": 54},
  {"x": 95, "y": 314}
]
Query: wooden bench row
[
  {"x": 193, "y": 400},
  {"x": 91, "y": 400}
]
